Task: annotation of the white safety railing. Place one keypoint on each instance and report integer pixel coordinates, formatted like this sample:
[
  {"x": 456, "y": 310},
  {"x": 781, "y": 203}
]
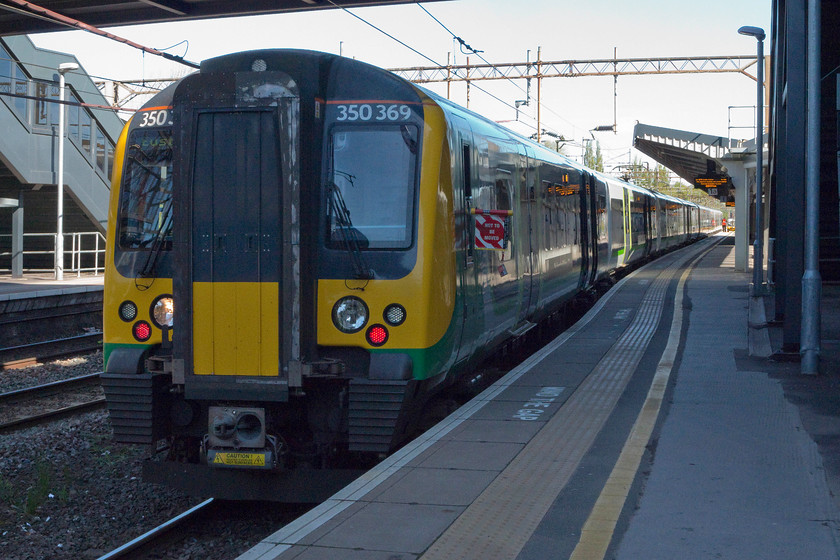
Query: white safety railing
[
  {"x": 77, "y": 251},
  {"x": 86, "y": 253}
]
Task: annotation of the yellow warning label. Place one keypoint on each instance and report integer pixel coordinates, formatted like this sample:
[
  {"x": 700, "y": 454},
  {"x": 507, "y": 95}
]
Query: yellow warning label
[{"x": 240, "y": 459}]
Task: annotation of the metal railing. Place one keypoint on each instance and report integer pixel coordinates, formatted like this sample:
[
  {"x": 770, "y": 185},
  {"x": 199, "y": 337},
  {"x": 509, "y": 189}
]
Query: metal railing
[{"x": 86, "y": 253}]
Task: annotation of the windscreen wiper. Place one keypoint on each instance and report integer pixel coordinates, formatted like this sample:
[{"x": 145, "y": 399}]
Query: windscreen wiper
[
  {"x": 351, "y": 239},
  {"x": 157, "y": 245}
]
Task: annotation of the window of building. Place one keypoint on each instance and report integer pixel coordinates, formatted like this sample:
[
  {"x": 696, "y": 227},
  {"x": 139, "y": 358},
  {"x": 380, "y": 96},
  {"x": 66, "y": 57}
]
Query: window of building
[
  {"x": 100, "y": 150},
  {"x": 46, "y": 108},
  {"x": 84, "y": 125}
]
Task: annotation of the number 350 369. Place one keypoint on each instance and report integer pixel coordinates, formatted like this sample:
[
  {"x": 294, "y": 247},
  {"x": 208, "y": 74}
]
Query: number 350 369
[{"x": 373, "y": 112}]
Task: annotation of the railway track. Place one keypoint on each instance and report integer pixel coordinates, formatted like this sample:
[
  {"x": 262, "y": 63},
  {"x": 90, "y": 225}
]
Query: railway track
[
  {"x": 226, "y": 528},
  {"x": 25, "y": 355},
  {"x": 52, "y": 315},
  {"x": 160, "y": 535},
  {"x": 43, "y": 403}
]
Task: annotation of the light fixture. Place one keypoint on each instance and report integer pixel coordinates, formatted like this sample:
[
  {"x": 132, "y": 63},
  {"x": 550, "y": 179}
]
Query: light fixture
[
  {"x": 162, "y": 311},
  {"x": 350, "y": 314}
]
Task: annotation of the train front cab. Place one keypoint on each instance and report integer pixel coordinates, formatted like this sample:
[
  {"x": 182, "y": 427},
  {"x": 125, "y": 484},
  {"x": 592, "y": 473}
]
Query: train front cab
[
  {"x": 272, "y": 275},
  {"x": 354, "y": 295}
]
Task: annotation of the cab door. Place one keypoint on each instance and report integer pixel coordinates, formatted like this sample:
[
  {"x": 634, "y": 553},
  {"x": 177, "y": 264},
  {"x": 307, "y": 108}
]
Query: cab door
[
  {"x": 236, "y": 240},
  {"x": 236, "y": 230}
]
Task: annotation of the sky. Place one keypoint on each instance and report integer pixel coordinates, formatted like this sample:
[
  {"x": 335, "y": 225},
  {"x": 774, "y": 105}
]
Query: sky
[{"x": 504, "y": 30}]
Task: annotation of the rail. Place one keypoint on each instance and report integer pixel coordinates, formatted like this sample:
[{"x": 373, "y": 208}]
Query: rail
[
  {"x": 51, "y": 388},
  {"x": 37, "y": 405},
  {"x": 150, "y": 537},
  {"x": 86, "y": 252},
  {"x": 26, "y": 355}
]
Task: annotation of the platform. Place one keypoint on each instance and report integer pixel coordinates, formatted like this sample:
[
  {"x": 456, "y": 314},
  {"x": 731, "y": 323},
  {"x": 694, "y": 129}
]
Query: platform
[
  {"x": 43, "y": 285},
  {"x": 644, "y": 431}
]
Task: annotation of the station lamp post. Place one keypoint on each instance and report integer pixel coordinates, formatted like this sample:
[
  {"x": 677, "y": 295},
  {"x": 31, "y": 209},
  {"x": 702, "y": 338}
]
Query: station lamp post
[
  {"x": 758, "y": 256},
  {"x": 59, "y": 232}
]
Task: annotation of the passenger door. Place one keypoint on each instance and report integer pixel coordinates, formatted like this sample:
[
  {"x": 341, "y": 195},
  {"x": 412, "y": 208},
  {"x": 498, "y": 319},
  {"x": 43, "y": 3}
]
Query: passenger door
[
  {"x": 463, "y": 181},
  {"x": 527, "y": 261}
]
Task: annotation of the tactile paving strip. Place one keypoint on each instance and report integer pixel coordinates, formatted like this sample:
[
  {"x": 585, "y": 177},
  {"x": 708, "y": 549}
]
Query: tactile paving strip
[{"x": 500, "y": 522}]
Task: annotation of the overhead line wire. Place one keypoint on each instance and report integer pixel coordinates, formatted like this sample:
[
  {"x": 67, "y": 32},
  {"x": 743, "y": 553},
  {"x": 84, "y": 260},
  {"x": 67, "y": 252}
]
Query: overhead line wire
[
  {"x": 40, "y": 12},
  {"x": 66, "y": 102},
  {"x": 461, "y": 41},
  {"x": 409, "y": 47},
  {"x": 508, "y": 78},
  {"x": 27, "y": 64},
  {"x": 436, "y": 63},
  {"x": 86, "y": 91}
]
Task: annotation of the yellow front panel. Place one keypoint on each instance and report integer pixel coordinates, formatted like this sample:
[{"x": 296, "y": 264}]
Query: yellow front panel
[
  {"x": 236, "y": 328},
  {"x": 428, "y": 292},
  {"x": 270, "y": 328}
]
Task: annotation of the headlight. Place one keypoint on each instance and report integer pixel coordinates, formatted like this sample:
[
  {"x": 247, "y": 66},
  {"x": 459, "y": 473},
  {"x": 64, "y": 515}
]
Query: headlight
[
  {"x": 350, "y": 314},
  {"x": 162, "y": 311}
]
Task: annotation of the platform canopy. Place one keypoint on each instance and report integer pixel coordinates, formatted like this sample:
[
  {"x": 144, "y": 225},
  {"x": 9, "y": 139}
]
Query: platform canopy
[
  {"x": 688, "y": 154},
  {"x": 18, "y": 18}
]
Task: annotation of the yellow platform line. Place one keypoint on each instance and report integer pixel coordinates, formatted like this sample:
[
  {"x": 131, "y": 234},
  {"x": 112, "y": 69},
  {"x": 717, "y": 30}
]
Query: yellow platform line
[
  {"x": 498, "y": 524},
  {"x": 598, "y": 531}
]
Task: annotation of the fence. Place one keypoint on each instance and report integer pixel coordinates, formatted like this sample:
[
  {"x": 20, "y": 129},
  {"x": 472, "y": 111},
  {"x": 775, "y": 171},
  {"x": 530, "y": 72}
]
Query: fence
[{"x": 86, "y": 252}]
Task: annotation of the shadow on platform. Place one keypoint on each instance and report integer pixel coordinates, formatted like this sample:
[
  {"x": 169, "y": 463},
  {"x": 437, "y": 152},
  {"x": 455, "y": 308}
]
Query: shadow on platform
[{"x": 816, "y": 396}]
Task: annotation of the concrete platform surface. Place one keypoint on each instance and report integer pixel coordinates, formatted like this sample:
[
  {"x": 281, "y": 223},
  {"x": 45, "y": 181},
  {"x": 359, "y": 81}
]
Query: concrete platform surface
[{"x": 45, "y": 284}]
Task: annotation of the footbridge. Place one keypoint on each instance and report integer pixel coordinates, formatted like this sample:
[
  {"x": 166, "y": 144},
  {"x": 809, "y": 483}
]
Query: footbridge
[{"x": 29, "y": 118}]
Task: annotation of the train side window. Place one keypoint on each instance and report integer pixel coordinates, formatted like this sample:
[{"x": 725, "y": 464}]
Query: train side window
[
  {"x": 466, "y": 159},
  {"x": 503, "y": 193},
  {"x": 503, "y": 189},
  {"x": 467, "y": 172},
  {"x": 548, "y": 219}
]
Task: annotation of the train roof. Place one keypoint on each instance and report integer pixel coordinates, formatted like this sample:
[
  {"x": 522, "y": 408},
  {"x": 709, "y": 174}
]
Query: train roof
[
  {"x": 547, "y": 154},
  {"x": 245, "y": 61}
]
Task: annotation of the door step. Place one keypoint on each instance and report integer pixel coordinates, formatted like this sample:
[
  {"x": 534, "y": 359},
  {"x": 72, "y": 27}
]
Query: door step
[{"x": 521, "y": 328}]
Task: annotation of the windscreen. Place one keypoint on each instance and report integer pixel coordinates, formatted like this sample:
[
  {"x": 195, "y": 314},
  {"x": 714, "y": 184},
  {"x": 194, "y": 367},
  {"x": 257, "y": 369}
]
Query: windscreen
[
  {"x": 371, "y": 194},
  {"x": 146, "y": 198}
]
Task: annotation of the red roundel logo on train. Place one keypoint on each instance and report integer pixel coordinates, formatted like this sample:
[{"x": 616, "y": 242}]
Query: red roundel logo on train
[{"x": 489, "y": 232}]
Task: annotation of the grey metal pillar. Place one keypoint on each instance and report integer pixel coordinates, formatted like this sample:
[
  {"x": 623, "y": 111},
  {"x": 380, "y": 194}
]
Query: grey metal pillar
[
  {"x": 758, "y": 251},
  {"x": 811, "y": 280},
  {"x": 17, "y": 239},
  {"x": 63, "y": 68},
  {"x": 758, "y": 255}
]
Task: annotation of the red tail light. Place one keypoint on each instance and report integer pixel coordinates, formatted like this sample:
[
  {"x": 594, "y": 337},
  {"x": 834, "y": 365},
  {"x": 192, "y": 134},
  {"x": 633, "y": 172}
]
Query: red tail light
[
  {"x": 377, "y": 335},
  {"x": 142, "y": 331}
]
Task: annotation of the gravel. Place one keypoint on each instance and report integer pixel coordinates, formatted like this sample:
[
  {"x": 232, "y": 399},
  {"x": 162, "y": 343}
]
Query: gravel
[
  {"x": 68, "y": 491},
  {"x": 14, "y": 379}
]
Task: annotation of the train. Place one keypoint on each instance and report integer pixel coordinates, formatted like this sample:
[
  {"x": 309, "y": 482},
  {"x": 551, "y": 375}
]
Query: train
[{"x": 303, "y": 249}]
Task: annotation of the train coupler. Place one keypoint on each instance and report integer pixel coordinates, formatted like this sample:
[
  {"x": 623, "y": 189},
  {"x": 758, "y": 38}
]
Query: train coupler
[{"x": 237, "y": 438}]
